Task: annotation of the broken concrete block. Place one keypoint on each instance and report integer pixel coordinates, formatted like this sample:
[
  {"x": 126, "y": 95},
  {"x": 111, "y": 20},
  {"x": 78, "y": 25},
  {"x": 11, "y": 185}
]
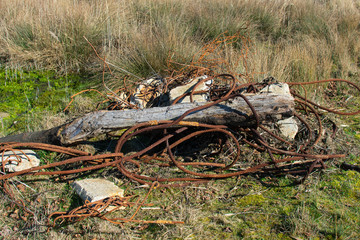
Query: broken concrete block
[
  {"x": 146, "y": 92},
  {"x": 19, "y": 160},
  {"x": 288, "y": 127},
  {"x": 96, "y": 189},
  {"x": 203, "y": 97},
  {"x": 122, "y": 99},
  {"x": 276, "y": 88}
]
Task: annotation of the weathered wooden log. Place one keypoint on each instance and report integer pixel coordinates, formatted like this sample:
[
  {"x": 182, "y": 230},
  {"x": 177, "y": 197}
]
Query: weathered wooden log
[
  {"x": 347, "y": 166},
  {"x": 233, "y": 112}
]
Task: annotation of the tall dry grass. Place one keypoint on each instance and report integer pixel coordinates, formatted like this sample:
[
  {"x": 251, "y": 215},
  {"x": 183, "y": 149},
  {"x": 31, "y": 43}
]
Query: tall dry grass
[{"x": 299, "y": 40}]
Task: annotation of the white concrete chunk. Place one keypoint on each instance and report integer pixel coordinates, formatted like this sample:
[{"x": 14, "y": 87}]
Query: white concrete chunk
[
  {"x": 19, "y": 160},
  {"x": 288, "y": 127},
  {"x": 146, "y": 92},
  {"x": 276, "y": 88},
  {"x": 178, "y": 91},
  {"x": 96, "y": 189}
]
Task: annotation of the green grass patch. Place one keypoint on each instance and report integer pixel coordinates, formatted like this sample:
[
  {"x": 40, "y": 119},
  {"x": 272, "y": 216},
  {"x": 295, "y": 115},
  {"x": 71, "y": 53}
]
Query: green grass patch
[{"x": 27, "y": 95}]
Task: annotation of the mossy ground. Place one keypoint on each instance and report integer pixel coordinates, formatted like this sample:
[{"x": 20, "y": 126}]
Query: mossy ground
[
  {"x": 35, "y": 100},
  {"x": 326, "y": 206}
]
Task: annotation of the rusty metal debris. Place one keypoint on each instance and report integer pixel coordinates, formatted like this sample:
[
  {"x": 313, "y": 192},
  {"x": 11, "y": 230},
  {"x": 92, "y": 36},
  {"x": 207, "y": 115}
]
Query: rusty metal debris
[
  {"x": 101, "y": 209},
  {"x": 164, "y": 152},
  {"x": 168, "y": 147}
]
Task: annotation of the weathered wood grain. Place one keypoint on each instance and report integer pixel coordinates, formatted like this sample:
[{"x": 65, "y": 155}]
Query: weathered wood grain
[{"x": 234, "y": 112}]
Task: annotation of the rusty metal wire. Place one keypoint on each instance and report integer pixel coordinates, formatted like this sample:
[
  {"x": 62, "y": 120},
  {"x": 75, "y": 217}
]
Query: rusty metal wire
[
  {"x": 102, "y": 208},
  {"x": 171, "y": 138},
  {"x": 292, "y": 159}
]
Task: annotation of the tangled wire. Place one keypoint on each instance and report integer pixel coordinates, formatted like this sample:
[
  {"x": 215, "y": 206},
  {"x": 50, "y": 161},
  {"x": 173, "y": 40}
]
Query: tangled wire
[
  {"x": 103, "y": 207},
  {"x": 176, "y": 153},
  {"x": 169, "y": 148}
]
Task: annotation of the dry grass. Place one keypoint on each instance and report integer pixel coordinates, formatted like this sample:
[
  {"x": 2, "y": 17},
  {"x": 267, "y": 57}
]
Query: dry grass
[{"x": 297, "y": 40}]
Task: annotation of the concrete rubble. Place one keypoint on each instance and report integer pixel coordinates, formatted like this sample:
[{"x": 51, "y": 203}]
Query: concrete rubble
[
  {"x": 150, "y": 89},
  {"x": 19, "y": 160},
  {"x": 288, "y": 127},
  {"x": 276, "y": 88},
  {"x": 203, "y": 97},
  {"x": 146, "y": 92},
  {"x": 96, "y": 189}
]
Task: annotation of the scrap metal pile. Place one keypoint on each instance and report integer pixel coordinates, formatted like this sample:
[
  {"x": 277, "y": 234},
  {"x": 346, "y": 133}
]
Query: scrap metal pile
[
  {"x": 178, "y": 153},
  {"x": 173, "y": 153}
]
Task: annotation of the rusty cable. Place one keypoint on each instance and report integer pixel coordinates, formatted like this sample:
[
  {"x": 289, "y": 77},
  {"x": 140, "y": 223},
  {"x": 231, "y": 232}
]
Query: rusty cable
[{"x": 181, "y": 132}]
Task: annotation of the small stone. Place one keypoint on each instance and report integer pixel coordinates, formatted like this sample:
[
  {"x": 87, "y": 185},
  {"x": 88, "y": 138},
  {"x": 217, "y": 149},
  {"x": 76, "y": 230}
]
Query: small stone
[
  {"x": 19, "y": 160},
  {"x": 96, "y": 189},
  {"x": 288, "y": 127},
  {"x": 203, "y": 97}
]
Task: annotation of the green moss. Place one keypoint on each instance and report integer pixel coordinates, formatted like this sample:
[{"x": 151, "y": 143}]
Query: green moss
[
  {"x": 205, "y": 220},
  {"x": 29, "y": 93},
  {"x": 346, "y": 184},
  {"x": 287, "y": 209},
  {"x": 283, "y": 236},
  {"x": 251, "y": 200}
]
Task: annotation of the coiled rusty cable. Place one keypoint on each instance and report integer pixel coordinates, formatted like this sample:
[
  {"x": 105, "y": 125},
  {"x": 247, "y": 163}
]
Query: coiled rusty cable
[{"x": 180, "y": 132}]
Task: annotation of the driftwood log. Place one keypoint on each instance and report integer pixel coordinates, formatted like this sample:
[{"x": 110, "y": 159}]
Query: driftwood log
[{"x": 233, "y": 112}]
